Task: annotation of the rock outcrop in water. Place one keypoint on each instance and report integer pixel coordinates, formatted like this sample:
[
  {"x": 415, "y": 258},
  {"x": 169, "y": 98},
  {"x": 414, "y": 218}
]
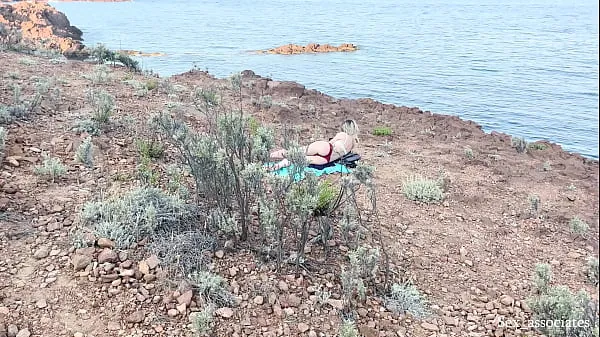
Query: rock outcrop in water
[
  {"x": 40, "y": 26},
  {"x": 290, "y": 49}
]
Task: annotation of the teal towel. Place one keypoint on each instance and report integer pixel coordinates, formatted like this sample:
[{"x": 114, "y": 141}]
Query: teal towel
[{"x": 337, "y": 168}]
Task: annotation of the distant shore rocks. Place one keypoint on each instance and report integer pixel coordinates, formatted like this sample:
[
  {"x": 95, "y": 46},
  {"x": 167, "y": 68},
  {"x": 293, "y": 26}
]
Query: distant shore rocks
[
  {"x": 290, "y": 49},
  {"x": 40, "y": 25},
  {"x": 140, "y": 53}
]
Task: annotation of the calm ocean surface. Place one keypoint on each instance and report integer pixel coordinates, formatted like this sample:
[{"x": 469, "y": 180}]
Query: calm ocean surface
[{"x": 527, "y": 68}]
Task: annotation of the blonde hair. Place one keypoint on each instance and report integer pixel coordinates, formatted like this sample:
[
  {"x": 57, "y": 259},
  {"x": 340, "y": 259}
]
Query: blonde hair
[{"x": 351, "y": 128}]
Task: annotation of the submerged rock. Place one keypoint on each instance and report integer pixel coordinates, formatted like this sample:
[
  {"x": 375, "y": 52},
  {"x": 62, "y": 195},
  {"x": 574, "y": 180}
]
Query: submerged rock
[{"x": 290, "y": 49}]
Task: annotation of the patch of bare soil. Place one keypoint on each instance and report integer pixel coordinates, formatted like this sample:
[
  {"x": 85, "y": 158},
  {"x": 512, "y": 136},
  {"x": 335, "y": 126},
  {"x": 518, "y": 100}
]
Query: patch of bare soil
[{"x": 473, "y": 254}]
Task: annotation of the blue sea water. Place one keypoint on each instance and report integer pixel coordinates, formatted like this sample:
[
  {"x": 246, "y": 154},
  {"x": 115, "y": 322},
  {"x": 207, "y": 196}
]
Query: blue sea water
[{"x": 525, "y": 67}]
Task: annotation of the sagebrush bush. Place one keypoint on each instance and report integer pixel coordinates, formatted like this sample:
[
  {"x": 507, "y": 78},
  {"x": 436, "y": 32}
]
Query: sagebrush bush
[
  {"x": 417, "y": 188},
  {"x": 520, "y": 144},
  {"x": 578, "y": 226},
  {"x": 364, "y": 260},
  {"x": 565, "y": 314},
  {"x": 85, "y": 152},
  {"x": 142, "y": 212},
  {"x": 51, "y": 168},
  {"x": 102, "y": 104},
  {"x": 542, "y": 277},
  {"x": 534, "y": 204},
  {"x": 149, "y": 148},
  {"x": 89, "y": 126},
  {"x": 592, "y": 270},
  {"x": 469, "y": 153},
  {"x": 406, "y": 298},
  {"x": 348, "y": 329},
  {"x": 183, "y": 253},
  {"x": 201, "y": 323},
  {"x": 3, "y": 136},
  {"x": 562, "y": 311},
  {"x": 212, "y": 288},
  {"x": 382, "y": 131},
  {"x": 20, "y": 108}
]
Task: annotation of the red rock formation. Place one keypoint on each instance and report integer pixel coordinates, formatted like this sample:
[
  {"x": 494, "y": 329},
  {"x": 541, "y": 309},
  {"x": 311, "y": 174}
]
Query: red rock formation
[
  {"x": 290, "y": 49},
  {"x": 42, "y": 26}
]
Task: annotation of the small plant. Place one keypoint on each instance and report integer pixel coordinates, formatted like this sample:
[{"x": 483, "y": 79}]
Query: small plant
[
  {"x": 469, "y": 153},
  {"x": 364, "y": 260},
  {"x": 417, "y": 188},
  {"x": 534, "y": 204},
  {"x": 27, "y": 61},
  {"x": 3, "y": 134},
  {"x": 537, "y": 146},
  {"x": 542, "y": 277},
  {"x": 382, "y": 131},
  {"x": 183, "y": 253},
  {"x": 151, "y": 84},
  {"x": 547, "y": 166},
  {"x": 85, "y": 154},
  {"x": 100, "y": 75},
  {"x": 88, "y": 126},
  {"x": 406, "y": 298},
  {"x": 578, "y": 226},
  {"x": 149, "y": 148},
  {"x": 520, "y": 144},
  {"x": 146, "y": 173},
  {"x": 566, "y": 310},
  {"x": 212, "y": 288},
  {"x": 51, "y": 168},
  {"x": 571, "y": 187},
  {"x": 142, "y": 212},
  {"x": 592, "y": 270},
  {"x": 327, "y": 197},
  {"x": 348, "y": 329},
  {"x": 202, "y": 320},
  {"x": 103, "y": 104}
]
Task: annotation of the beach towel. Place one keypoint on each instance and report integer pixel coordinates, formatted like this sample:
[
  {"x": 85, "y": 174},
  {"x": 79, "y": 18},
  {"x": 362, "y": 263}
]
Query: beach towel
[{"x": 341, "y": 165}]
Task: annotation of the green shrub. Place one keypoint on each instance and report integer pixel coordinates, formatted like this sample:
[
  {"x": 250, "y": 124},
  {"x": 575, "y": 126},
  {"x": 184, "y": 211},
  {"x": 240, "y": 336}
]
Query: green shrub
[
  {"x": 562, "y": 310},
  {"x": 140, "y": 213},
  {"x": 537, "y": 146},
  {"x": 592, "y": 270},
  {"x": 520, "y": 144},
  {"x": 151, "y": 84},
  {"x": 149, "y": 148},
  {"x": 103, "y": 104},
  {"x": 469, "y": 153},
  {"x": 183, "y": 253},
  {"x": 88, "y": 126},
  {"x": 51, "y": 168},
  {"x": 406, "y": 298},
  {"x": 328, "y": 195},
  {"x": 348, "y": 329},
  {"x": 382, "y": 131},
  {"x": 212, "y": 288},
  {"x": 417, "y": 188},
  {"x": 3, "y": 136},
  {"x": 85, "y": 152},
  {"x": 201, "y": 320},
  {"x": 542, "y": 277},
  {"x": 578, "y": 226}
]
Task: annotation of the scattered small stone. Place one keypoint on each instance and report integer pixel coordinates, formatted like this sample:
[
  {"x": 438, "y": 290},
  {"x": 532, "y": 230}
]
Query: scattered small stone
[
  {"x": 336, "y": 304},
  {"x": 282, "y": 285},
  {"x": 136, "y": 317},
  {"x": 429, "y": 326},
  {"x": 303, "y": 327},
  {"x": 224, "y": 312},
  {"x": 41, "y": 304},
  {"x": 258, "y": 300},
  {"x": 78, "y": 334},
  {"x": 107, "y": 255},
  {"x": 507, "y": 300},
  {"x": 24, "y": 333},
  {"x": 186, "y": 298},
  {"x": 219, "y": 254},
  {"x": 105, "y": 243},
  {"x": 80, "y": 261},
  {"x": 41, "y": 252},
  {"x": 13, "y": 330},
  {"x": 173, "y": 312},
  {"x": 153, "y": 262},
  {"x": 143, "y": 267}
]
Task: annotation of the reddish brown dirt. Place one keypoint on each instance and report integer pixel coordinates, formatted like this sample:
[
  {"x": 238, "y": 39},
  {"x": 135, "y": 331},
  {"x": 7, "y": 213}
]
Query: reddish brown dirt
[{"x": 469, "y": 254}]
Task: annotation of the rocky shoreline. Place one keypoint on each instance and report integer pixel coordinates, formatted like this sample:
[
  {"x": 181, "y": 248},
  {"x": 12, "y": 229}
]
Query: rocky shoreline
[{"x": 311, "y": 48}]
